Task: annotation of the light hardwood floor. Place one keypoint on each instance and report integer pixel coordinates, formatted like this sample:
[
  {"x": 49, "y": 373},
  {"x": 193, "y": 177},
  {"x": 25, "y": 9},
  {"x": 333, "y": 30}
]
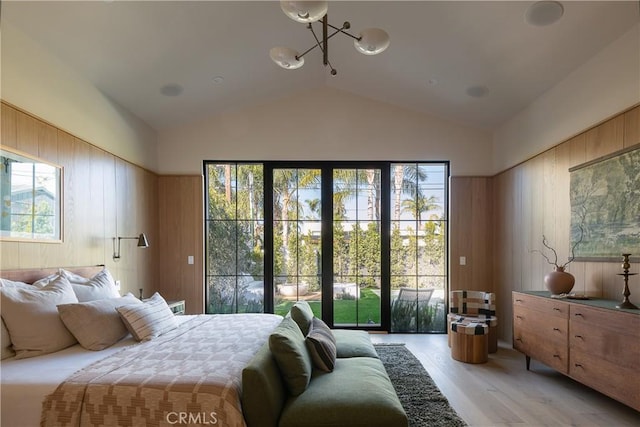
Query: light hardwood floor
[{"x": 503, "y": 393}]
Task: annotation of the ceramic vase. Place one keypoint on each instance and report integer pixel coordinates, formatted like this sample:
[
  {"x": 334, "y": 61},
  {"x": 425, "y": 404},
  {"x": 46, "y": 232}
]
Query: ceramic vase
[{"x": 559, "y": 281}]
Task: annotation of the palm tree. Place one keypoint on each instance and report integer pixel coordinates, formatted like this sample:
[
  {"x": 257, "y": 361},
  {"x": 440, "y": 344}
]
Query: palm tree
[
  {"x": 419, "y": 205},
  {"x": 406, "y": 178}
]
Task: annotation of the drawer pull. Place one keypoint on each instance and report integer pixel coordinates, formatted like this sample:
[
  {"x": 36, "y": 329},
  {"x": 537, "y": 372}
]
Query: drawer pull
[
  {"x": 556, "y": 308},
  {"x": 519, "y": 339},
  {"x": 557, "y": 356},
  {"x": 578, "y": 314},
  {"x": 579, "y": 336},
  {"x": 577, "y": 365},
  {"x": 519, "y": 317},
  {"x": 556, "y": 329},
  {"x": 518, "y": 300}
]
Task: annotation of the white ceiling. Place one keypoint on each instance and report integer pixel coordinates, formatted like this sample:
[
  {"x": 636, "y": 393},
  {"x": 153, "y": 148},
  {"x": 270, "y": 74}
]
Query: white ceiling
[{"x": 130, "y": 50}]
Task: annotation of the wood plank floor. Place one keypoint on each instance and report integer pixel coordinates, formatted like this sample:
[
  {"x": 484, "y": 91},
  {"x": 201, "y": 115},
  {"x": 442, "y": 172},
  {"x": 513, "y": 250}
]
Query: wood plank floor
[{"x": 503, "y": 393}]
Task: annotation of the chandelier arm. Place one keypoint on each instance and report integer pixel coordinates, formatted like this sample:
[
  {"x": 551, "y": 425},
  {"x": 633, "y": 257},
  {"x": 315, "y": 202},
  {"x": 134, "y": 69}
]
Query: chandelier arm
[
  {"x": 342, "y": 30},
  {"x": 318, "y": 42},
  {"x": 325, "y": 40}
]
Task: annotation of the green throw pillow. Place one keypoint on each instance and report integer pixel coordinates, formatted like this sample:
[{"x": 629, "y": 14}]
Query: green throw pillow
[
  {"x": 288, "y": 348},
  {"x": 321, "y": 345},
  {"x": 303, "y": 315}
]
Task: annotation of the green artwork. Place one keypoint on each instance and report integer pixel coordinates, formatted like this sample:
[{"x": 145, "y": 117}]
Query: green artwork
[{"x": 605, "y": 207}]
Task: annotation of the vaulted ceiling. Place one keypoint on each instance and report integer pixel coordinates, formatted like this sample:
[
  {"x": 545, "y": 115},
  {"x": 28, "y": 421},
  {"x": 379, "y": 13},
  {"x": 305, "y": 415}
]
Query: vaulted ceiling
[{"x": 475, "y": 63}]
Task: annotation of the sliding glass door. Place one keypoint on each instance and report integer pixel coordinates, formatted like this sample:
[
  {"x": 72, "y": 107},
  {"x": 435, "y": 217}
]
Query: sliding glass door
[{"x": 363, "y": 243}]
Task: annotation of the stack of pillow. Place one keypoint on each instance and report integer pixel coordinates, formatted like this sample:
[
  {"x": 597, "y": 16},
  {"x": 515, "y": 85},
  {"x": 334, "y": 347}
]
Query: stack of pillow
[
  {"x": 63, "y": 309},
  {"x": 301, "y": 342}
]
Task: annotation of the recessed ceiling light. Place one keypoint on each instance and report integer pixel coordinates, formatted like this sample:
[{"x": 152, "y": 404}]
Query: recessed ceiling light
[
  {"x": 543, "y": 13},
  {"x": 171, "y": 89},
  {"x": 218, "y": 79},
  {"x": 477, "y": 91}
]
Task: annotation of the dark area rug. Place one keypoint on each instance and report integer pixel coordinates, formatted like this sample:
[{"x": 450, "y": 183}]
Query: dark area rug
[{"x": 421, "y": 399}]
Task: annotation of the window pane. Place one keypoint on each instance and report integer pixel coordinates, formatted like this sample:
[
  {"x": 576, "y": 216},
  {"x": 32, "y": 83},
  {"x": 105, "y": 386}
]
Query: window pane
[{"x": 221, "y": 254}]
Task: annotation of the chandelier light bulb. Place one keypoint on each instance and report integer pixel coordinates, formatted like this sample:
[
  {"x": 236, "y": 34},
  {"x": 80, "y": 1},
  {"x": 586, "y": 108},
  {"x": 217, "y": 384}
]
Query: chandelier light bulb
[
  {"x": 286, "y": 57},
  {"x": 305, "y": 11},
  {"x": 372, "y": 41}
]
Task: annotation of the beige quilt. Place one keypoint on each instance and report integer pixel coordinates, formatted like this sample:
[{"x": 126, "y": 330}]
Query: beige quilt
[{"x": 189, "y": 376}]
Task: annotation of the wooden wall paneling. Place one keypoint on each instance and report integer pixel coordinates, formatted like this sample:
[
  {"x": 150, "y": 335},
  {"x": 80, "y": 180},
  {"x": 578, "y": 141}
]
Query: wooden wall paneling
[
  {"x": 48, "y": 143},
  {"x": 632, "y": 127},
  {"x": 126, "y": 226},
  {"x": 147, "y": 194},
  {"x": 8, "y": 126},
  {"x": 27, "y": 133},
  {"x": 577, "y": 147},
  {"x": 613, "y": 285},
  {"x": 481, "y": 234},
  {"x": 605, "y": 139},
  {"x": 70, "y": 210},
  {"x": 98, "y": 208},
  {"x": 170, "y": 283},
  {"x": 460, "y": 231},
  {"x": 110, "y": 213},
  {"x": 562, "y": 201},
  {"x": 84, "y": 209},
  {"x": 180, "y": 206},
  {"x": 527, "y": 238}
]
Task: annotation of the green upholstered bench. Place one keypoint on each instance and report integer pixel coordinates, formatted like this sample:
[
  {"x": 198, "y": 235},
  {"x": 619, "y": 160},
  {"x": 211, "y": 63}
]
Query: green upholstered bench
[{"x": 356, "y": 393}]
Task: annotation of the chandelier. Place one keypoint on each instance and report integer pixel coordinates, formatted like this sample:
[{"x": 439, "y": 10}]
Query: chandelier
[{"x": 370, "y": 41}]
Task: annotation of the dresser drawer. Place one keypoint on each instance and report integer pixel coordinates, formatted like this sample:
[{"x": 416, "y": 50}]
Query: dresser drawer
[
  {"x": 618, "y": 382},
  {"x": 553, "y": 353},
  {"x": 614, "y": 321},
  {"x": 599, "y": 341},
  {"x": 532, "y": 321},
  {"x": 546, "y": 306}
]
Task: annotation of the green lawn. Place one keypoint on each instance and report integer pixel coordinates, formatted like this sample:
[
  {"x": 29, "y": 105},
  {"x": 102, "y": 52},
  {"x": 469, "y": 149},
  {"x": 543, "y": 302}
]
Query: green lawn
[{"x": 344, "y": 311}]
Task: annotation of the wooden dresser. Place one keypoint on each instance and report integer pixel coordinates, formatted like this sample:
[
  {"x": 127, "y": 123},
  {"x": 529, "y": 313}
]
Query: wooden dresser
[{"x": 589, "y": 340}]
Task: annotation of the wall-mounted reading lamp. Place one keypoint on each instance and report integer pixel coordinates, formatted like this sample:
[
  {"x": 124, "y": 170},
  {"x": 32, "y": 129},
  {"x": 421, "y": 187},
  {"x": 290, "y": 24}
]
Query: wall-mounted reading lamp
[{"x": 142, "y": 243}]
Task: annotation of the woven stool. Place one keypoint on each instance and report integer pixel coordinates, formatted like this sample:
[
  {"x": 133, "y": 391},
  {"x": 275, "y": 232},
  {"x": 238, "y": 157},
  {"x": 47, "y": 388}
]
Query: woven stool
[
  {"x": 469, "y": 341},
  {"x": 492, "y": 323}
]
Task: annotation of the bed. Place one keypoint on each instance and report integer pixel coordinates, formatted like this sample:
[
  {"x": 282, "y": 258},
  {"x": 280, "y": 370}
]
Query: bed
[{"x": 190, "y": 374}]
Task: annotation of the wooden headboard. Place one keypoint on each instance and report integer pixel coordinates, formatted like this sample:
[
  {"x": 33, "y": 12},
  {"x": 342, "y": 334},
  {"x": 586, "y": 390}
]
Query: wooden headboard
[{"x": 30, "y": 275}]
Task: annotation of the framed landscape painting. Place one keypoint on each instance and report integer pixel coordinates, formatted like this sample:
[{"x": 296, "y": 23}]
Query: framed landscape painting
[{"x": 605, "y": 207}]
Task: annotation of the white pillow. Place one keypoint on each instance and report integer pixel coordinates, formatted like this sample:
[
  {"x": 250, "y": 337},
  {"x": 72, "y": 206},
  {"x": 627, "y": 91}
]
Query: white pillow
[
  {"x": 99, "y": 286},
  {"x": 96, "y": 324},
  {"x": 6, "y": 283},
  {"x": 148, "y": 320},
  {"x": 74, "y": 278},
  {"x": 41, "y": 283},
  {"x": 32, "y": 318}
]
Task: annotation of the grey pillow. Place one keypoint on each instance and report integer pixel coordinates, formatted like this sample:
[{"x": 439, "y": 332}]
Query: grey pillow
[
  {"x": 303, "y": 315},
  {"x": 288, "y": 349},
  {"x": 96, "y": 324},
  {"x": 321, "y": 345},
  {"x": 32, "y": 318}
]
